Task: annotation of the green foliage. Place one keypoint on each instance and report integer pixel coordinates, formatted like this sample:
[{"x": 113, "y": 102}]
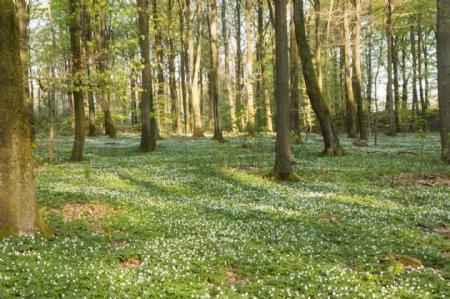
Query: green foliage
[{"x": 170, "y": 224}]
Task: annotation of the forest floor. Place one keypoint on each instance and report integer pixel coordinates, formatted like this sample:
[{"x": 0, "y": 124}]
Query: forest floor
[{"x": 197, "y": 219}]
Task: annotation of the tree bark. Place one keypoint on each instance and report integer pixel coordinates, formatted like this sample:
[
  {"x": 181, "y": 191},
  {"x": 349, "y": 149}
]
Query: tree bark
[
  {"x": 350, "y": 98},
  {"x": 239, "y": 69},
  {"x": 295, "y": 78},
  {"x": 17, "y": 196},
  {"x": 283, "y": 163},
  {"x": 357, "y": 77},
  {"x": 329, "y": 131},
  {"x": 148, "y": 137},
  {"x": 390, "y": 48},
  {"x": 215, "y": 84},
  {"x": 443, "y": 61},
  {"x": 77, "y": 69},
  {"x": 249, "y": 66},
  {"x": 175, "y": 106}
]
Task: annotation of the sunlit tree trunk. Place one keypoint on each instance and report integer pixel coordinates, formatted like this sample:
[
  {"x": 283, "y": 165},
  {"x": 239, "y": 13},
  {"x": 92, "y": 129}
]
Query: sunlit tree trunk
[
  {"x": 227, "y": 74},
  {"x": 249, "y": 67},
  {"x": 17, "y": 195},
  {"x": 357, "y": 77},
  {"x": 390, "y": 48},
  {"x": 350, "y": 98},
  {"x": 239, "y": 69}
]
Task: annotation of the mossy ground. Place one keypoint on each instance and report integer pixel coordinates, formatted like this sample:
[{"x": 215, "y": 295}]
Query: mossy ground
[{"x": 197, "y": 218}]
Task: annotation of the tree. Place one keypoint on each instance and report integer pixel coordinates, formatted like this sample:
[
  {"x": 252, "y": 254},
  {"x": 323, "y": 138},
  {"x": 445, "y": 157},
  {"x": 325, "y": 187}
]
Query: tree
[
  {"x": 443, "y": 59},
  {"x": 17, "y": 196},
  {"x": 148, "y": 136},
  {"x": 249, "y": 64},
  {"x": 78, "y": 99},
  {"x": 320, "y": 107},
  {"x": 215, "y": 84},
  {"x": 283, "y": 160}
]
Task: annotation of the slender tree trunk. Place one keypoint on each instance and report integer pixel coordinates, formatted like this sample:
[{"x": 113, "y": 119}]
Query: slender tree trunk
[
  {"x": 443, "y": 59},
  {"x": 395, "y": 65},
  {"x": 415, "y": 98},
  {"x": 184, "y": 68},
  {"x": 423, "y": 105},
  {"x": 369, "y": 67},
  {"x": 77, "y": 69},
  {"x": 100, "y": 37},
  {"x": 249, "y": 66},
  {"x": 86, "y": 34},
  {"x": 295, "y": 78},
  {"x": 404, "y": 76},
  {"x": 351, "y": 104},
  {"x": 283, "y": 163},
  {"x": 160, "y": 98},
  {"x": 357, "y": 77},
  {"x": 227, "y": 75},
  {"x": 17, "y": 196},
  {"x": 390, "y": 50},
  {"x": 175, "y": 107},
  {"x": 215, "y": 84},
  {"x": 318, "y": 48},
  {"x": 52, "y": 91},
  {"x": 148, "y": 137},
  {"x": 239, "y": 69},
  {"x": 329, "y": 131}
]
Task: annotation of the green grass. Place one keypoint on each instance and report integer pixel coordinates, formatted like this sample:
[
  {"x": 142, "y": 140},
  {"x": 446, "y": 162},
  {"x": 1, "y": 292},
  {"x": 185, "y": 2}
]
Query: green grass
[{"x": 197, "y": 219}]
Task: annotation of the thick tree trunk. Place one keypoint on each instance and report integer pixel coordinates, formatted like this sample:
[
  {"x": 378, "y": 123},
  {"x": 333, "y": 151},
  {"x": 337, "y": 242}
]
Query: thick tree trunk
[
  {"x": 357, "y": 77},
  {"x": 17, "y": 196},
  {"x": 329, "y": 131},
  {"x": 194, "y": 67},
  {"x": 295, "y": 78},
  {"x": 77, "y": 69},
  {"x": 215, "y": 84},
  {"x": 249, "y": 66},
  {"x": 148, "y": 137},
  {"x": 283, "y": 163},
  {"x": 443, "y": 59},
  {"x": 350, "y": 103},
  {"x": 22, "y": 13}
]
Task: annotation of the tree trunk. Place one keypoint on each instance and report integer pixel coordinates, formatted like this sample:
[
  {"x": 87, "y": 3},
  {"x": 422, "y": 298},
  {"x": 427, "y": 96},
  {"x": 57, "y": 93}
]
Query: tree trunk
[
  {"x": 148, "y": 137},
  {"x": 350, "y": 103},
  {"x": 295, "y": 79},
  {"x": 184, "y": 68},
  {"x": 160, "y": 98},
  {"x": 22, "y": 13},
  {"x": 318, "y": 48},
  {"x": 77, "y": 69},
  {"x": 249, "y": 66},
  {"x": 357, "y": 78},
  {"x": 283, "y": 163},
  {"x": 390, "y": 48},
  {"x": 100, "y": 37},
  {"x": 239, "y": 70},
  {"x": 395, "y": 65},
  {"x": 227, "y": 75},
  {"x": 215, "y": 84},
  {"x": 415, "y": 97},
  {"x": 329, "y": 131},
  {"x": 194, "y": 66},
  {"x": 17, "y": 196},
  {"x": 443, "y": 61},
  {"x": 175, "y": 106}
]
